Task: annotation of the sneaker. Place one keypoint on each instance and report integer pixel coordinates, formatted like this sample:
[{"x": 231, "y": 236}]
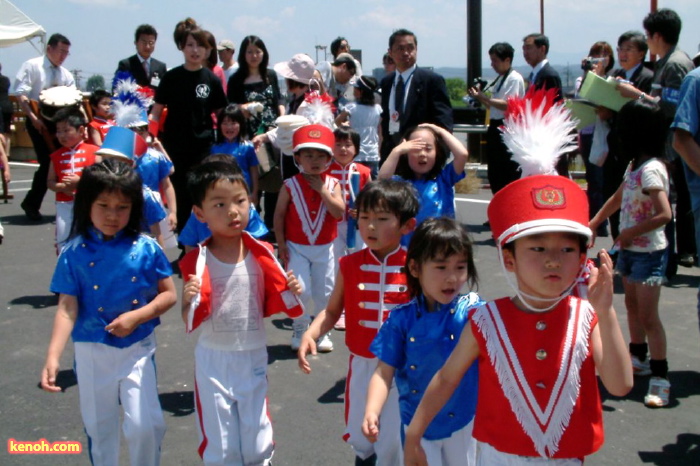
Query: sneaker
[
  {"x": 324, "y": 344},
  {"x": 686, "y": 260},
  {"x": 659, "y": 393},
  {"x": 298, "y": 329},
  {"x": 640, "y": 368},
  {"x": 340, "y": 325}
]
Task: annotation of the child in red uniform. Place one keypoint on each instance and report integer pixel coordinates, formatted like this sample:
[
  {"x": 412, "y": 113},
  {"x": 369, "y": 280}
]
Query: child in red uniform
[
  {"x": 369, "y": 284},
  {"x": 100, "y": 102},
  {"x": 538, "y": 352},
  {"x": 66, "y": 166},
  {"x": 306, "y": 219}
]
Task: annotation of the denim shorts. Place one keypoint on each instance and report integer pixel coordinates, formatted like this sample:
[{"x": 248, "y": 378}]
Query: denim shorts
[{"x": 647, "y": 268}]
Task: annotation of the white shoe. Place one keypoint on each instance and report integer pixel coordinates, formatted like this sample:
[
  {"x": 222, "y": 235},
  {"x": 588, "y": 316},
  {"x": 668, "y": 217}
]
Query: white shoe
[
  {"x": 298, "y": 329},
  {"x": 659, "y": 393},
  {"x": 324, "y": 344}
]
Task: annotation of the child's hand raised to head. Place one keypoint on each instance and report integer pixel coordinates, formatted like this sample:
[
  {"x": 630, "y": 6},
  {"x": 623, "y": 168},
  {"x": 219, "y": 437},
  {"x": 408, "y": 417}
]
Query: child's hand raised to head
[
  {"x": 600, "y": 284},
  {"x": 406, "y": 146},
  {"x": 370, "y": 427}
]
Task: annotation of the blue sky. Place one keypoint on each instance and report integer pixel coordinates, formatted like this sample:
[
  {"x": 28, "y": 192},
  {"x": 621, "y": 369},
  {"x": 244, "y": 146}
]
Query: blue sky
[{"x": 102, "y": 30}]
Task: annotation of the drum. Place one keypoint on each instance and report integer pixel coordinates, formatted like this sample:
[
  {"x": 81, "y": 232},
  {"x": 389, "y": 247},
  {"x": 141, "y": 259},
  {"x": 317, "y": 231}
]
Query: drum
[{"x": 57, "y": 98}]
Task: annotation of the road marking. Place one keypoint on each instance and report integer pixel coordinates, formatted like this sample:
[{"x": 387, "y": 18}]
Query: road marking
[
  {"x": 476, "y": 201},
  {"x": 24, "y": 164}
]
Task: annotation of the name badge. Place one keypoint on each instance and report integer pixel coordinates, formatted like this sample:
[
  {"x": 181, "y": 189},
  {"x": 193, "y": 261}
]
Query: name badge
[
  {"x": 394, "y": 123},
  {"x": 155, "y": 81}
]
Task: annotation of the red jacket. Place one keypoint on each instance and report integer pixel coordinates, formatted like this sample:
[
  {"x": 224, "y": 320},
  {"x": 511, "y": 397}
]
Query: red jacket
[{"x": 278, "y": 296}]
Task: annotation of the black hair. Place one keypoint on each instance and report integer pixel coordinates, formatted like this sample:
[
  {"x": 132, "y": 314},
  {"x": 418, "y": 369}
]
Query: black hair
[
  {"x": 641, "y": 129},
  {"x": 603, "y": 49},
  {"x": 387, "y": 59},
  {"x": 439, "y": 238},
  {"x": 145, "y": 30},
  {"x": 368, "y": 88},
  {"x": 213, "y": 57},
  {"x": 635, "y": 37},
  {"x": 71, "y": 116},
  {"x": 243, "y": 71},
  {"x": 540, "y": 40},
  {"x": 399, "y": 33},
  {"x": 235, "y": 113},
  {"x": 112, "y": 176},
  {"x": 226, "y": 158},
  {"x": 98, "y": 95},
  {"x": 184, "y": 29},
  {"x": 441, "y": 154},
  {"x": 292, "y": 84},
  {"x": 665, "y": 22},
  {"x": 345, "y": 133},
  {"x": 397, "y": 197},
  {"x": 202, "y": 177},
  {"x": 335, "y": 45},
  {"x": 502, "y": 50},
  {"x": 56, "y": 39}
]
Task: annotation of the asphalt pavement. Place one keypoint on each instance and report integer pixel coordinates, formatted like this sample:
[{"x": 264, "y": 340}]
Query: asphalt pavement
[{"x": 307, "y": 410}]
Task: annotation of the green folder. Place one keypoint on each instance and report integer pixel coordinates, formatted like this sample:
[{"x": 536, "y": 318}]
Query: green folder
[
  {"x": 583, "y": 110},
  {"x": 602, "y": 92}
]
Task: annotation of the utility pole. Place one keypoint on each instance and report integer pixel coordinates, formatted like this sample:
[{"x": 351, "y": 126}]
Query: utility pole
[{"x": 77, "y": 77}]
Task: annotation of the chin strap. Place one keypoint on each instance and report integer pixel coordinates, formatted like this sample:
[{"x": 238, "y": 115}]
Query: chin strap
[{"x": 513, "y": 283}]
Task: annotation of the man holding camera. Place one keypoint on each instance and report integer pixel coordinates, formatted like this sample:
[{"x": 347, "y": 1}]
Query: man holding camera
[{"x": 509, "y": 83}]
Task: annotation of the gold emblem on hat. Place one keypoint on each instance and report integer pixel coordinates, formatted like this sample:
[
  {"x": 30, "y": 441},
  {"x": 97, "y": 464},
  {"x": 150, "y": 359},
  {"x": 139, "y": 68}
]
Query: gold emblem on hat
[
  {"x": 549, "y": 197},
  {"x": 314, "y": 133}
]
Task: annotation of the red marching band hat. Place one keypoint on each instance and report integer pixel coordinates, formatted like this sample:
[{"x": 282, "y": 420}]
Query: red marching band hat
[
  {"x": 538, "y": 204},
  {"x": 315, "y": 137}
]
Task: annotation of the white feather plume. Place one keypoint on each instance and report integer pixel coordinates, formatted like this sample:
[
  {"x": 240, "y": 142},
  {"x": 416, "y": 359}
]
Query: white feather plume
[{"x": 537, "y": 137}]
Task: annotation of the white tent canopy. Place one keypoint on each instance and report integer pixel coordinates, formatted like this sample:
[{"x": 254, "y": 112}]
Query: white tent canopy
[{"x": 16, "y": 27}]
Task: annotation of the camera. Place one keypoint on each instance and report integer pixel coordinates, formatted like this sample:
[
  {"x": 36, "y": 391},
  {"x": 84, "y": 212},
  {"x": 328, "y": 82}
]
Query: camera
[
  {"x": 479, "y": 83},
  {"x": 590, "y": 62}
]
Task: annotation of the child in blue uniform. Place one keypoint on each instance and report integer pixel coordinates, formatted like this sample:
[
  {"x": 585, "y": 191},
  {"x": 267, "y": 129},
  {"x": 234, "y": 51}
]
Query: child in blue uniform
[
  {"x": 114, "y": 283},
  {"x": 420, "y": 335},
  {"x": 421, "y": 159}
]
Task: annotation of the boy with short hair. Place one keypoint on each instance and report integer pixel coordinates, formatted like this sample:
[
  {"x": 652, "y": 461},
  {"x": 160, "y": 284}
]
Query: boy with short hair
[
  {"x": 66, "y": 166},
  {"x": 306, "y": 223},
  {"x": 100, "y": 102},
  {"x": 375, "y": 284},
  {"x": 231, "y": 282}
]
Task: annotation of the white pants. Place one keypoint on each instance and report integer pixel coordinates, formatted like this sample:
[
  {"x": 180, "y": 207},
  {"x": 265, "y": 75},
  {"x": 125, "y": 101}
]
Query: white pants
[
  {"x": 107, "y": 376},
  {"x": 340, "y": 243},
  {"x": 64, "y": 220},
  {"x": 388, "y": 446},
  {"x": 486, "y": 455},
  {"x": 231, "y": 404},
  {"x": 314, "y": 267},
  {"x": 459, "y": 449}
]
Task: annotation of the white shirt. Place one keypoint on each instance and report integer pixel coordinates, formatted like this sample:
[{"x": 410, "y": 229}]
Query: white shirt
[
  {"x": 35, "y": 75},
  {"x": 407, "y": 79},
  {"x": 237, "y": 293},
  {"x": 512, "y": 86}
]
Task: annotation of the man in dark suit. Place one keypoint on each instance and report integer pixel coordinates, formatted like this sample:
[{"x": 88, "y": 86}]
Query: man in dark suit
[
  {"x": 535, "y": 50},
  {"x": 147, "y": 71},
  {"x": 422, "y": 94}
]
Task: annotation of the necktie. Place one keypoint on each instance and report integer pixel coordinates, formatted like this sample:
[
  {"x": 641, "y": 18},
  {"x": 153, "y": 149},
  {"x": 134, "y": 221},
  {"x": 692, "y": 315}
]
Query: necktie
[
  {"x": 146, "y": 68},
  {"x": 529, "y": 78},
  {"x": 399, "y": 95},
  {"x": 54, "y": 76}
]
